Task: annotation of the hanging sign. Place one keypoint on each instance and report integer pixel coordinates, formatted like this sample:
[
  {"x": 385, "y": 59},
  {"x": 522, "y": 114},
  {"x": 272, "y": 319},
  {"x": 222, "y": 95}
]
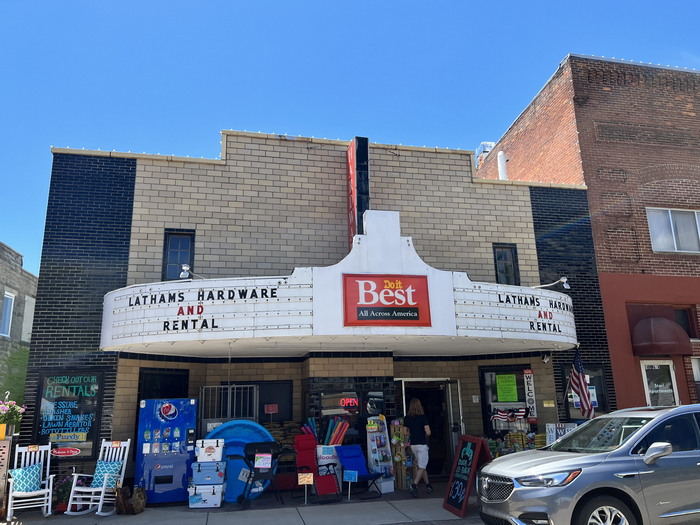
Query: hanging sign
[
  {"x": 530, "y": 401},
  {"x": 507, "y": 388}
]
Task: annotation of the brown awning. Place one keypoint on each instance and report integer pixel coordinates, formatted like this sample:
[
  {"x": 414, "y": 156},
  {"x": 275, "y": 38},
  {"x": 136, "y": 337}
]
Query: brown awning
[{"x": 654, "y": 336}]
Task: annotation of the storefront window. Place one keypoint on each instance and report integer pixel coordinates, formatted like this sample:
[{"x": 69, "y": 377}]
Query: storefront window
[
  {"x": 69, "y": 403},
  {"x": 504, "y": 399},
  {"x": 596, "y": 388}
]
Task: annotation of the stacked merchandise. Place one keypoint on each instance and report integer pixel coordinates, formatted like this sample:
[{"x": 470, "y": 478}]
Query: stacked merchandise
[
  {"x": 283, "y": 433},
  {"x": 379, "y": 452},
  {"x": 208, "y": 474},
  {"x": 401, "y": 454},
  {"x": 540, "y": 440}
]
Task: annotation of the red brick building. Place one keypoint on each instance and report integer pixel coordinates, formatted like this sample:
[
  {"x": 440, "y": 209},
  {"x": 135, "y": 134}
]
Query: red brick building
[{"x": 630, "y": 133}]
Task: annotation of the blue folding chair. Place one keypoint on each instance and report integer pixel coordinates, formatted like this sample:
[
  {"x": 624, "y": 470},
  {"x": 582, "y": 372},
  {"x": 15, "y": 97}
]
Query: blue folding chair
[{"x": 352, "y": 458}]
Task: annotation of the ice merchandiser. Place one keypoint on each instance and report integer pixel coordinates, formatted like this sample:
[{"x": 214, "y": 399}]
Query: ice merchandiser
[{"x": 165, "y": 448}]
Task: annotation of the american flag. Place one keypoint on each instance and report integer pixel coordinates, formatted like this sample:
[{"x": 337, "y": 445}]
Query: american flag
[
  {"x": 577, "y": 378},
  {"x": 500, "y": 415}
]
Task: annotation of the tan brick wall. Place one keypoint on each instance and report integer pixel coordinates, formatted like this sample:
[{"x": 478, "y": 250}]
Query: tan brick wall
[
  {"x": 453, "y": 221},
  {"x": 276, "y": 203},
  {"x": 126, "y": 403},
  {"x": 349, "y": 367},
  {"x": 201, "y": 374}
]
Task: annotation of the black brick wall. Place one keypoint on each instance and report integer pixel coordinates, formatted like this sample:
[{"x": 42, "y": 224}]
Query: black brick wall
[
  {"x": 565, "y": 248},
  {"x": 85, "y": 255}
]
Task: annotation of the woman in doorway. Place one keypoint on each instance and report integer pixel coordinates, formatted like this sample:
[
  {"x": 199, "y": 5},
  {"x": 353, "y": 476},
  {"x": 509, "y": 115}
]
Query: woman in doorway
[{"x": 417, "y": 423}]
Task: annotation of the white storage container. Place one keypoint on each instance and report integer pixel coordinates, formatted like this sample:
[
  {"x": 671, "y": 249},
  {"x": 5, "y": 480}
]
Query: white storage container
[
  {"x": 206, "y": 496},
  {"x": 209, "y": 449}
]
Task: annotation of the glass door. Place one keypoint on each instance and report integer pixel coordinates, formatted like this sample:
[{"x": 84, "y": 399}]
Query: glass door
[
  {"x": 660, "y": 383},
  {"x": 442, "y": 400}
]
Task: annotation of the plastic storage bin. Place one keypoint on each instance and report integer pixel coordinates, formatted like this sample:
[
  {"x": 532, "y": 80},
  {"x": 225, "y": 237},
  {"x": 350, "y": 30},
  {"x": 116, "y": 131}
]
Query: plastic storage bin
[
  {"x": 209, "y": 473},
  {"x": 206, "y": 496},
  {"x": 209, "y": 449}
]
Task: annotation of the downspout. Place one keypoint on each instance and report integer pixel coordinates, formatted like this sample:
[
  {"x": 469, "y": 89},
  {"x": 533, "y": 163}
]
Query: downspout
[{"x": 502, "y": 172}]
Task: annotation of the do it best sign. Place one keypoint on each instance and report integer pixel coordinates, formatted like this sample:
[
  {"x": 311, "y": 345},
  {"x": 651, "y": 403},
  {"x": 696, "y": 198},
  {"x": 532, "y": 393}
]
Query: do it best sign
[{"x": 386, "y": 300}]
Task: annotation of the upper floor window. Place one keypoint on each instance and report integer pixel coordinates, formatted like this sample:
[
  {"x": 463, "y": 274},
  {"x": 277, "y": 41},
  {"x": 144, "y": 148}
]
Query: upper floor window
[
  {"x": 6, "y": 319},
  {"x": 178, "y": 250},
  {"x": 674, "y": 230},
  {"x": 684, "y": 318},
  {"x": 505, "y": 257}
]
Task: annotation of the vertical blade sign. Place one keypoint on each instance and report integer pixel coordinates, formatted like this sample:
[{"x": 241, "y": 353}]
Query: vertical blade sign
[{"x": 358, "y": 185}]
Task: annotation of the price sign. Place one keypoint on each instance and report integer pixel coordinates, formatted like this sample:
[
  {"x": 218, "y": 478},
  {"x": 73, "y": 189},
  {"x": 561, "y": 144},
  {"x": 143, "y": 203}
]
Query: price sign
[
  {"x": 263, "y": 461},
  {"x": 471, "y": 453},
  {"x": 305, "y": 478},
  {"x": 350, "y": 476},
  {"x": 272, "y": 409}
]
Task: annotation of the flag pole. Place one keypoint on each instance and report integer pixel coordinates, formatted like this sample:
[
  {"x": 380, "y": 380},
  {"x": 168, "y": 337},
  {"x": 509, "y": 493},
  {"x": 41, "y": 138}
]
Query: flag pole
[{"x": 568, "y": 386}]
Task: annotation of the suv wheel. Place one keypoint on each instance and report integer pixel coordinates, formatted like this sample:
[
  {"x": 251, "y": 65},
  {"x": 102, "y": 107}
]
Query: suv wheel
[{"x": 605, "y": 510}]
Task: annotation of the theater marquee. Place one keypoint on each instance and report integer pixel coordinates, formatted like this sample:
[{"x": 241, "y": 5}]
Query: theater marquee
[{"x": 386, "y": 300}]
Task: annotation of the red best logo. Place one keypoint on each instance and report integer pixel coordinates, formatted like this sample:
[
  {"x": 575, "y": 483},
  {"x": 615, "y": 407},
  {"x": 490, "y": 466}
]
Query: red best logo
[
  {"x": 392, "y": 294},
  {"x": 387, "y": 300}
]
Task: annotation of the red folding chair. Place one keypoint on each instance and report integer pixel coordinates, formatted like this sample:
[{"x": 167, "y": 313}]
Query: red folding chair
[{"x": 325, "y": 483}]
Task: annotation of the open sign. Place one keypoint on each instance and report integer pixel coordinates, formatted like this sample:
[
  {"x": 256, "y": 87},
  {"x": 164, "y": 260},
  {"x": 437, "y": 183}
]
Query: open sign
[{"x": 349, "y": 402}]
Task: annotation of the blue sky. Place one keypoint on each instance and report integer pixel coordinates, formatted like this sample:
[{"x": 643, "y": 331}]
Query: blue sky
[{"x": 167, "y": 76}]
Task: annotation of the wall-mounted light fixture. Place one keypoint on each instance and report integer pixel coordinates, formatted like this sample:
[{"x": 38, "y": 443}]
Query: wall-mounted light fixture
[
  {"x": 186, "y": 272},
  {"x": 545, "y": 358},
  {"x": 563, "y": 280}
]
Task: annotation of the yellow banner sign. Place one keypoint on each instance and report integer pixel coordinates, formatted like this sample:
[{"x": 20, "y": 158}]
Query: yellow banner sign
[{"x": 68, "y": 438}]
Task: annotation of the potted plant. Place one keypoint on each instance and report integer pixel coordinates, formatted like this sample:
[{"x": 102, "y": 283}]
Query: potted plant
[
  {"x": 10, "y": 416},
  {"x": 61, "y": 491}
]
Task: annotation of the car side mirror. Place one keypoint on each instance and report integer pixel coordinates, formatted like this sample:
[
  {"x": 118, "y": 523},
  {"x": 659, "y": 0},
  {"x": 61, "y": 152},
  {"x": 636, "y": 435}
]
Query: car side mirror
[{"x": 657, "y": 450}]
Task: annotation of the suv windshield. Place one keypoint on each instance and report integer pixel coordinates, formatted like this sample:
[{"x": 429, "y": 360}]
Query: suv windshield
[{"x": 600, "y": 435}]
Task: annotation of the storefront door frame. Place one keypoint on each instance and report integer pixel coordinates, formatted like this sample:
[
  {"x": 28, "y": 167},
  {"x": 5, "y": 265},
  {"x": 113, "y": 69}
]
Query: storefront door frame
[
  {"x": 671, "y": 373},
  {"x": 453, "y": 392}
]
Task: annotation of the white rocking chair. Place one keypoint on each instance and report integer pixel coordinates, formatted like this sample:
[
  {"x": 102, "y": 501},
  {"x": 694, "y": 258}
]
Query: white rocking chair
[
  {"x": 30, "y": 482},
  {"x": 101, "y": 487}
]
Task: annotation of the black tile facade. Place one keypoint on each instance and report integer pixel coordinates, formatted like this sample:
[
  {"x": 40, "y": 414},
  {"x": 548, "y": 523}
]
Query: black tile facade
[
  {"x": 564, "y": 243},
  {"x": 85, "y": 255}
]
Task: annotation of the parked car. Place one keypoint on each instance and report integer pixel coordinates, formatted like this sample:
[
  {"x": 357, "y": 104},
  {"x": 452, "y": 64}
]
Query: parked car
[{"x": 638, "y": 466}]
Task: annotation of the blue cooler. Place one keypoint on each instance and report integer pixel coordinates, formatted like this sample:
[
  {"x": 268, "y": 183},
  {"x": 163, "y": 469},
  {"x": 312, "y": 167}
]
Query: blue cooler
[{"x": 209, "y": 473}]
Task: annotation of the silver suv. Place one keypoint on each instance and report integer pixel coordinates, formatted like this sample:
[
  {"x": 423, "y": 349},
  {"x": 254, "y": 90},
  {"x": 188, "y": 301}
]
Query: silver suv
[{"x": 639, "y": 466}]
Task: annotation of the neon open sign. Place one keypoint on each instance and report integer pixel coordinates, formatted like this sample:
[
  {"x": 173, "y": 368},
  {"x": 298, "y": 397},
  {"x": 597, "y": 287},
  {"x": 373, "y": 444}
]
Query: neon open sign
[{"x": 349, "y": 402}]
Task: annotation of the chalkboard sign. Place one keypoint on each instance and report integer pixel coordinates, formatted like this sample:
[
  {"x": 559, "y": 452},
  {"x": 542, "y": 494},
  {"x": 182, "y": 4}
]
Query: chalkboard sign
[
  {"x": 69, "y": 403},
  {"x": 471, "y": 454}
]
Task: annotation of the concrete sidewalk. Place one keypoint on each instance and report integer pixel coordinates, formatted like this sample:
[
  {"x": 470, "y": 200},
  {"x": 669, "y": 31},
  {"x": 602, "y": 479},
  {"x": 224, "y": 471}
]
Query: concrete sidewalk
[{"x": 392, "y": 508}]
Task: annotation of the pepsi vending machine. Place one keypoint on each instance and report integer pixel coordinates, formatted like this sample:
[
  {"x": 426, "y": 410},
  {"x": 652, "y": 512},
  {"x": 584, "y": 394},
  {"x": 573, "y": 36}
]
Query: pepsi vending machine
[{"x": 165, "y": 448}]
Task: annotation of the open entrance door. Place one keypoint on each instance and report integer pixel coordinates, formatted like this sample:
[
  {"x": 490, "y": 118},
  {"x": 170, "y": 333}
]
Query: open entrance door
[{"x": 442, "y": 401}]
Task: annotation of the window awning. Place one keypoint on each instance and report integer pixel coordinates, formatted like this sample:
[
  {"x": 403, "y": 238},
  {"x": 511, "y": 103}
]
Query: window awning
[{"x": 654, "y": 336}]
